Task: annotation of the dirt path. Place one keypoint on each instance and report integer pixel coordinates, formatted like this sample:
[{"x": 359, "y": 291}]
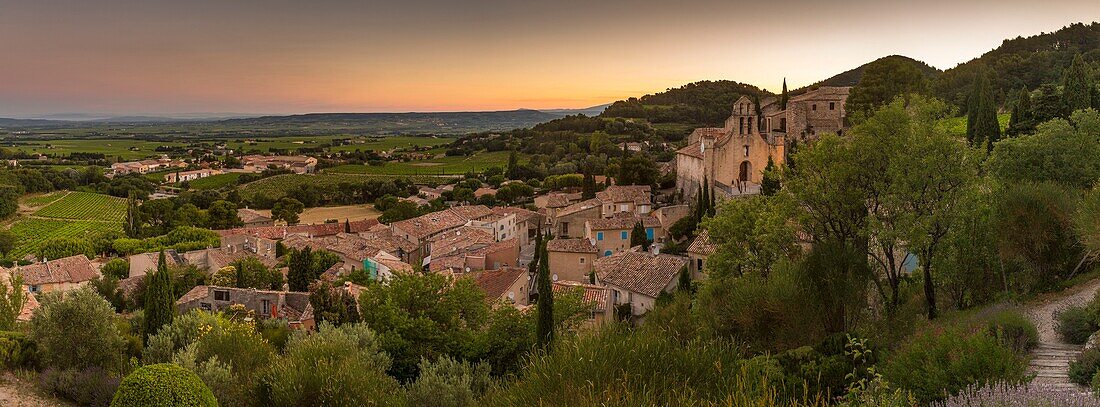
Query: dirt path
[
  {"x": 1050, "y": 360},
  {"x": 16, "y": 392}
]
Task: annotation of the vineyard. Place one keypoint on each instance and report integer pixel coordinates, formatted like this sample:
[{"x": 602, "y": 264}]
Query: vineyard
[
  {"x": 85, "y": 206},
  {"x": 66, "y": 215},
  {"x": 453, "y": 165},
  {"x": 215, "y": 181}
]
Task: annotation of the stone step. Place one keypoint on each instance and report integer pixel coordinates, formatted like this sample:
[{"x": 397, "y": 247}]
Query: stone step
[
  {"x": 1049, "y": 364},
  {"x": 1059, "y": 346}
]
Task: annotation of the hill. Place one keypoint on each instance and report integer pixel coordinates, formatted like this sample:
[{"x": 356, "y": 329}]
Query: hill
[
  {"x": 1024, "y": 61},
  {"x": 425, "y": 123},
  {"x": 852, "y": 76},
  {"x": 703, "y": 103}
]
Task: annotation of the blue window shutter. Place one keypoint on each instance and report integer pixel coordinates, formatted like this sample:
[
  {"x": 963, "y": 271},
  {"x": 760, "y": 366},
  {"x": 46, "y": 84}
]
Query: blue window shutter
[
  {"x": 599, "y": 235},
  {"x": 649, "y": 233},
  {"x": 623, "y": 234},
  {"x": 607, "y": 253}
]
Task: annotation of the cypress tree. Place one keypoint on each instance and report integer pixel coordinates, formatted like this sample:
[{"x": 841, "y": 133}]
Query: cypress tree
[
  {"x": 299, "y": 276},
  {"x": 711, "y": 204},
  {"x": 701, "y": 207},
  {"x": 982, "y": 127},
  {"x": 160, "y": 307},
  {"x": 588, "y": 187},
  {"x": 1076, "y": 87},
  {"x": 544, "y": 330},
  {"x": 783, "y": 99},
  {"x": 513, "y": 161},
  {"x": 638, "y": 237},
  {"x": 347, "y": 225},
  {"x": 1021, "y": 121},
  {"x": 133, "y": 224},
  {"x": 534, "y": 266}
]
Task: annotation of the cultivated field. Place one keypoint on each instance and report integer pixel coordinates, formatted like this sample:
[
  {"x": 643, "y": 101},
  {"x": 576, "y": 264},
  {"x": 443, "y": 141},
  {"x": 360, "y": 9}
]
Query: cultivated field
[
  {"x": 85, "y": 206},
  {"x": 66, "y": 214},
  {"x": 215, "y": 181},
  {"x": 455, "y": 165},
  {"x": 340, "y": 213}
]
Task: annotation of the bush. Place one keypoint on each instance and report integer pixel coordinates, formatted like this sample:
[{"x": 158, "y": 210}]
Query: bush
[
  {"x": 1075, "y": 324},
  {"x": 348, "y": 358},
  {"x": 1032, "y": 394},
  {"x": 77, "y": 330},
  {"x": 117, "y": 268},
  {"x": 447, "y": 382},
  {"x": 17, "y": 351},
  {"x": 938, "y": 364},
  {"x": 165, "y": 385},
  {"x": 1014, "y": 330},
  {"x": 91, "y": 386},
  {"x": 1082, "y": 370}
]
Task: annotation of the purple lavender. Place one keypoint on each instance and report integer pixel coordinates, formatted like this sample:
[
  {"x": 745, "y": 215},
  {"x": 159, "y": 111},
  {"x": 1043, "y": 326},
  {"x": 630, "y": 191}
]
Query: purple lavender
[{"x": 1022, "y": 395}]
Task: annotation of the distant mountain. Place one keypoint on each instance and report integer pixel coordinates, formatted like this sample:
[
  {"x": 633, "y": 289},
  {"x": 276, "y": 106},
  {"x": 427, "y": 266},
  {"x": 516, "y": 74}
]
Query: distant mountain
[
  {"x": 852, "y": 76},
  {"x": 422, "y": 123},
  {"x": 588, "y": 111}
]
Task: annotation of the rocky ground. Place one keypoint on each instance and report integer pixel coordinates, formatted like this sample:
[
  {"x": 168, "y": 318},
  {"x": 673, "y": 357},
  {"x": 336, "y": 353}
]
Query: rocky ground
[
  {"x": 1050, "y": 360},
  {"x": 19, "y": 392}
]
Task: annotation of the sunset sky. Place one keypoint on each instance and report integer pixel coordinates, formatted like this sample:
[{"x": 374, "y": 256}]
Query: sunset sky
[{"x": 277, "y": 57}]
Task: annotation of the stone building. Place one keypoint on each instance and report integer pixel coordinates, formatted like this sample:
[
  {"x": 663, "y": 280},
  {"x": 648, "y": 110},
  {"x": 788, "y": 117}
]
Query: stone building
[
  {"x": 570, "y": 259},
  {"x": 733, "y": 157}
]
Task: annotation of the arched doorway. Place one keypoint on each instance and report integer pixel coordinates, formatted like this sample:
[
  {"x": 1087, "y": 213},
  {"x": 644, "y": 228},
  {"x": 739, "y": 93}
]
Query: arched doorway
[{"x": 743, "y": 176}]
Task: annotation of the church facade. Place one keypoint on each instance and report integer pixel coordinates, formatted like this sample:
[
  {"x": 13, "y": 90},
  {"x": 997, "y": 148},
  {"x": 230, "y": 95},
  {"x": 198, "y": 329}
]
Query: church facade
[{"x": 732, "y": 158}]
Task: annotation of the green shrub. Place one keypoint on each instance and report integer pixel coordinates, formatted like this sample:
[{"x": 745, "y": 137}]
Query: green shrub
[
  {"x": 1014, "y": 330},
  {"x": 77, "y": 330},
  {"x": 447, "y": 382},
  {"x": 1075, "y": 325},
  {"x": 342, "y": 366},
  {"x": 1082, "y": 370},
  {"x": 937, "y": 364},
  {"x": 164, "y": 385},
  {"x": 17, "y": 351}
]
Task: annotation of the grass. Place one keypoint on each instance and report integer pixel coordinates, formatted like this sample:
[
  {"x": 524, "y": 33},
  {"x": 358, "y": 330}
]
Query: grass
[
  {"x": 216, "y": 181},
  {"x": 957, "y": 125},
  {"x": 437, "y": 166},
  {"x": 109, "y": 147}
]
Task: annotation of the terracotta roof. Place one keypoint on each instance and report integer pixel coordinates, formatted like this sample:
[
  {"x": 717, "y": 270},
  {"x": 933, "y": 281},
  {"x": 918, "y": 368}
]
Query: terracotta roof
[
  {"x": 495, "y": 283},
  {"x": 561, "y": 200},
  {"x": 522, "y": 215},
  {"x": 643, "y": 273},
  {"x": 351, "y": 246},
  {"x": 484, "y": 191},
  {"x": 824, "y": 93},
  {"x": 702, "y": 244},
  {"x": 435, "y": 222},
  {"x": 714, "y": 132},
  {"x": 28, "y": 309},
  {"x": 622, "y": 221},
  {"x": 639, "y": 194},
  {"x": 691, "y": 150},
  {"x": 570, "y": 245},
  {"x": 593, "y": 294},
  {"x": 579, "y": 206},
  {"x": 320, "y": 229},
  {"x": 459, "y": 239},
  {"x": 383, "y": 238},
  {"x": 73, "y": 269}
]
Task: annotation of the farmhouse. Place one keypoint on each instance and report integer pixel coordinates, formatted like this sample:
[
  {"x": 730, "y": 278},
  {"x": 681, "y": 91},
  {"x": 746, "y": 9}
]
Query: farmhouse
[
  {"x": 253, "y": 218},
  {"x": 56, "y": 275},
  {"x": 145, "y": 166},
  {"x": 185, "y": 176},
  {"x": 570, "y": 259},
  {"x": 299, "y": 164},
  {"x": 732, "y": 158}
]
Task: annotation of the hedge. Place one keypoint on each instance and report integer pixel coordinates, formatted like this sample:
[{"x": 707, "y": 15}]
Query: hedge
[{"x": 165, "y": 385}]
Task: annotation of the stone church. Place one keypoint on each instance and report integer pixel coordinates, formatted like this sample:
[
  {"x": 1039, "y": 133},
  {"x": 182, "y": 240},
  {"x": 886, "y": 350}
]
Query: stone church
[{"x": 732, "y": 158}]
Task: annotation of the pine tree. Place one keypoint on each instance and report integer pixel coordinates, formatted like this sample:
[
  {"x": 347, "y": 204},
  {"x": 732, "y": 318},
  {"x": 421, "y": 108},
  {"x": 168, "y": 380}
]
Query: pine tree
[
  {"x": 1076, "y": 86},
  {"x": 783, "y": 99},
  {"x": 638, "y": 237},
  {"x": 160, "y": 307},
  {"x": 544, "y": 330},
  {"x": 769, "y": 185}
]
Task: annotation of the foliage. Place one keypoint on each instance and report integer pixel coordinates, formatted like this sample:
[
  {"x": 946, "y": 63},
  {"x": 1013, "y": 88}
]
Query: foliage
[
  {"x": 1030, "y": 394},
  {"x": 17, "y": 351},
  {"x": 1060, "y": 151},
  {"x": 1084, "y": 368},
  {"x": 1075, "y": 324},
  {"x": 400, "y": 211},
  {"x": 333, "y": 304},
  {"x": 160, "y": 300},
  {"x": 638, "y": 170},
  {"x": 447, "y": 382},
  {"x": 248, "y": 272},
  {"x": 164, "y": 385},
  {"x": 1035, "y": 228},
  {"x": 180, "y": 239},
  {"x": 334, "y": 366},
  {"x": 544, "y": 327},
  {"x": 287, "y": 210},
  {"x": 752, "y": 235},
  {"x": 12, "y": 300},
  {"x": 89, "y": 386},
  {"x": 306, "y": 266},
  {"x": 883, "y": 80},
  {"x": 76, "y": 330},
  {"x": 117, "y": 268},
  {"x": 1013, "y": 330},
  {"x": 938, "y": 364},
  {"x": 982, "y": 128},
  {"x": 61, "y": 247},
  {"x": 835, "y": 277},
  {"x": 1077, "y": 87}
]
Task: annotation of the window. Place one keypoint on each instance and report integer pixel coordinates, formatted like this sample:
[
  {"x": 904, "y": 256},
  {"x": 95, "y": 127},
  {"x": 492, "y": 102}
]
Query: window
[
  {"x": 624, "y": 207},
  {"x": 649, "y": 233},
  {"x": 832, "y": 105},
  {"x": 599, "y": 235},
  {"x": 607, "y": 253},
  {"x": 582, "y": 260},
  {"x": 205, "y": 306},
  {"x": 746, "y": 151},
  {"x": 266, "y": 304},
  {"x": 623, "y": 235},
  {"x": 813, "y": 107},
  {"x": 34, "y": 288},
  {"x": 699, "y": 264},
  {"x": 501, "y": 227},
  {"x": 221, "y": 295},
  {"x": 565, "y": 228}
]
